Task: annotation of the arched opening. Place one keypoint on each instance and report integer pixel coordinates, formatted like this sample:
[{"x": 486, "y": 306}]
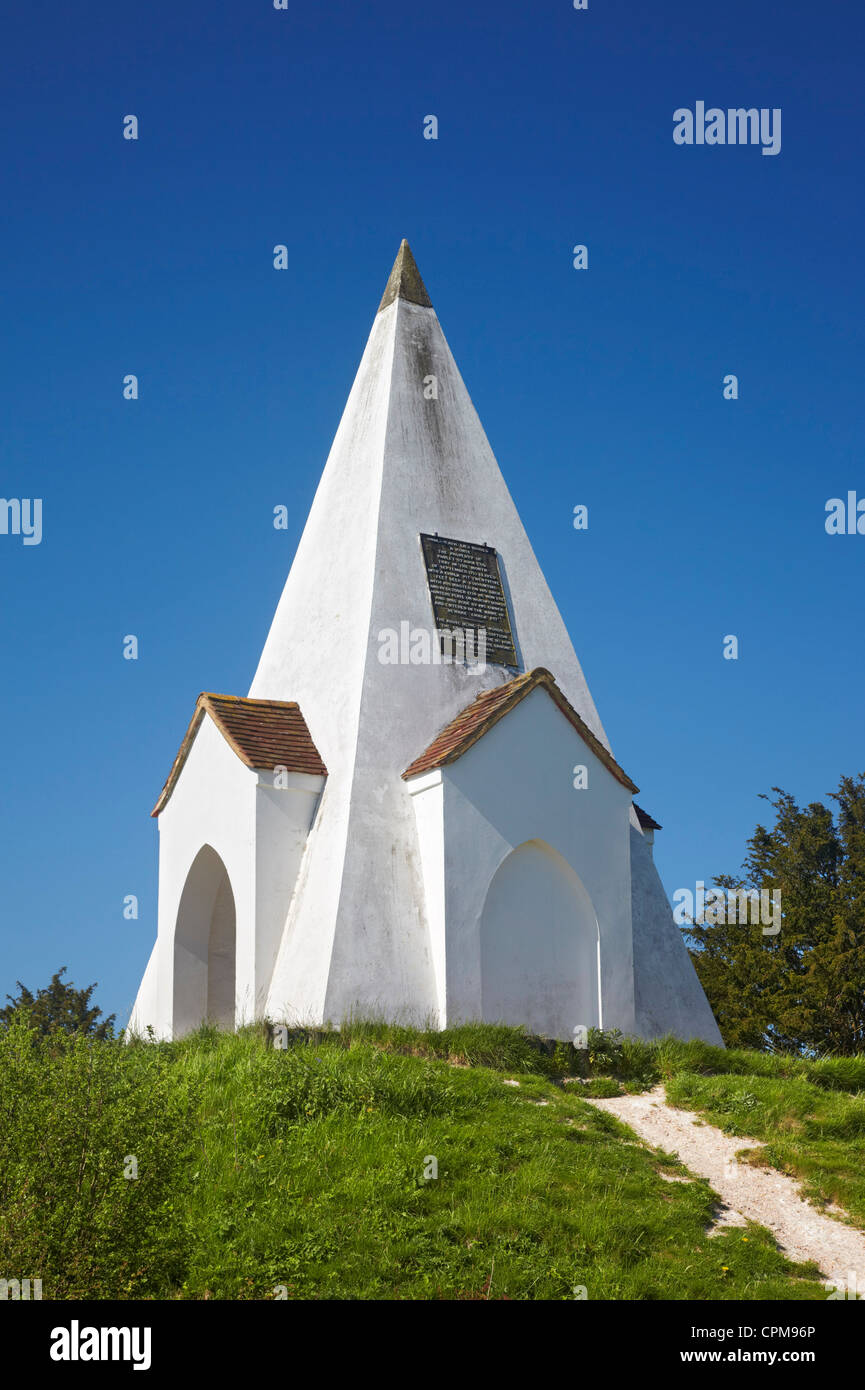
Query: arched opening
[
  {"x": 539, "y": 945},
  {"x": 204, "y": 947}
]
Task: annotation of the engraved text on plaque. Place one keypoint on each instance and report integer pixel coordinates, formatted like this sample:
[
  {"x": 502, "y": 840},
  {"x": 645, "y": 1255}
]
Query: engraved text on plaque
[{"x": 465, "y": 586}]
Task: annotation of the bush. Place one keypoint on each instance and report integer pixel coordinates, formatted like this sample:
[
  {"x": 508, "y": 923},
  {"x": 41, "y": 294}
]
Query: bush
[{"x": 76, "y": 1115}]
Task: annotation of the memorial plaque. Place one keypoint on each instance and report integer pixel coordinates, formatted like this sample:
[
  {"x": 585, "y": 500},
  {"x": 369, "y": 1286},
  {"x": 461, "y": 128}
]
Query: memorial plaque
[{"x": 465, "y": 586}]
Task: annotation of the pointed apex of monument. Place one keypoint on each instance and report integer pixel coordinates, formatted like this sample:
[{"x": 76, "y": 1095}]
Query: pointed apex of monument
[{"x": 404, "y": 281}]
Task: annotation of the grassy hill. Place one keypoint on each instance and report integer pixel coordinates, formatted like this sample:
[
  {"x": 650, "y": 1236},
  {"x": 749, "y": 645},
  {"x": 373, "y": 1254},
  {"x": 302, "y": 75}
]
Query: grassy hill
[{"x": 307, "y": 1172}]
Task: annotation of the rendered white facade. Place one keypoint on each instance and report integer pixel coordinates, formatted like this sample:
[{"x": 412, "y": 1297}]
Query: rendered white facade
[{"x": 488, "y": 887}]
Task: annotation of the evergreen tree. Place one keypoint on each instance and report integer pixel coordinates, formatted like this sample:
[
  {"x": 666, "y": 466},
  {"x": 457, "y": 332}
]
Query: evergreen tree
[
  {"x": 59, "y": 1007},
  {"x": 803, "y": 989}
]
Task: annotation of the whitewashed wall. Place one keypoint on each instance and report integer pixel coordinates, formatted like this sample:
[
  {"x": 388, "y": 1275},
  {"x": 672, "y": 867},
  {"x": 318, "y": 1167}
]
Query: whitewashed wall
[
  {"x": 669, "y": 996},
  {"x": 516, "y": 785},
  {"x": 259, "y": 833}
]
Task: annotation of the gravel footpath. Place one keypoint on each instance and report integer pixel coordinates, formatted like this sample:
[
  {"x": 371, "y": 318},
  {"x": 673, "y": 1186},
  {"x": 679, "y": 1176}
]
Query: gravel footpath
[{"x": 748, "y": 1193}]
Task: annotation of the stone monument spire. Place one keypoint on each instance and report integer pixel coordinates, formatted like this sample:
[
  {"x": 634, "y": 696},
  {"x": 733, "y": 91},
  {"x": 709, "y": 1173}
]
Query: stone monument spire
[{"x": 410, "y": 457}]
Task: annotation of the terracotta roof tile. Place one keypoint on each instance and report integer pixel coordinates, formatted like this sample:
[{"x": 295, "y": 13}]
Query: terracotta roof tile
[
  {"x": 492, "y": 705},
  {"x": 263, "y": 734},
  {"x": 645, "y": 819}
]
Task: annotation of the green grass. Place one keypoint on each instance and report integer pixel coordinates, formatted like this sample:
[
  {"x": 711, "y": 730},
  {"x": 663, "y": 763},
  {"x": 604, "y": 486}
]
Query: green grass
[
  {"x": 303, "y": 1170},
  {"x": 815, "y": 1134},
  {"x": 809, "y": 1112}
]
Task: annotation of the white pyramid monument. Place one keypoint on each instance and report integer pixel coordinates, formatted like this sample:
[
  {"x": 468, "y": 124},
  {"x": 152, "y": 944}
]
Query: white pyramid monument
[{"x": 397, "y": 821}]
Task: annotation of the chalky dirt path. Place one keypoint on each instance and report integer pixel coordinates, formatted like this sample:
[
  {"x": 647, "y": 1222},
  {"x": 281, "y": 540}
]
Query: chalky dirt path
[{"x": 748, "y": 1193}]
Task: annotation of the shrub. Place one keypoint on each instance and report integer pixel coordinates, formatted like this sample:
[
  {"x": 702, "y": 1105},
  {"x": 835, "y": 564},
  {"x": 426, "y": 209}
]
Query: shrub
[{"x": 76, "y": 1115}]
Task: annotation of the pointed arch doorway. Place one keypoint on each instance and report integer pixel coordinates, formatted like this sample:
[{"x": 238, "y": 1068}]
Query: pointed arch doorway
[
  {"x": 205, "y": 947},
  {"x": 540, "y": 945}
]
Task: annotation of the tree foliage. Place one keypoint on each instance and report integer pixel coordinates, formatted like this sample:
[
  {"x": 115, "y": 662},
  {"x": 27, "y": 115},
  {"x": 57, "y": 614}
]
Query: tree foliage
[
  {"x": 803, "y": 989},
  {"x": 59, "y": 1007},
  {"x": 96, "y": 1143}
]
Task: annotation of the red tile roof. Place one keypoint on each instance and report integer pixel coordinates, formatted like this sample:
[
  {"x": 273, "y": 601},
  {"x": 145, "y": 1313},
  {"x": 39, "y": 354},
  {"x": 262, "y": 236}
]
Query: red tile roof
[
  {"x": 491, "y": 706},
  {"x": 263, "y": 734},
  {"x": 645, "y": 819}
]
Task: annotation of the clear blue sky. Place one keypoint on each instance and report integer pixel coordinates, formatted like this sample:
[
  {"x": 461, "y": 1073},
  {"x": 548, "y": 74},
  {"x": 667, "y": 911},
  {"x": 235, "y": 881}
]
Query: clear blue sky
[{"x": 304, "y": 127}]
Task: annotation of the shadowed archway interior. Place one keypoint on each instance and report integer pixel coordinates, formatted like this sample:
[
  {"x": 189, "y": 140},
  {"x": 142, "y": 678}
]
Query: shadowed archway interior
[
  {"x": 205, "y": 947},
  {"x": 539, "y": 944}
]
